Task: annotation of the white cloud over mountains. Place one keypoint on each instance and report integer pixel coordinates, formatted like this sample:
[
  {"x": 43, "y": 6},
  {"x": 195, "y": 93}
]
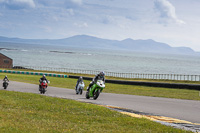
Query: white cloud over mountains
[{"x": 167, "y": 11}]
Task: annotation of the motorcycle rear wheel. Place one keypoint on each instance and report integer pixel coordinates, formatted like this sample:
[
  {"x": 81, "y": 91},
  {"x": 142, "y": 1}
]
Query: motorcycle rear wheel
[{"x": 5, "y": 85}]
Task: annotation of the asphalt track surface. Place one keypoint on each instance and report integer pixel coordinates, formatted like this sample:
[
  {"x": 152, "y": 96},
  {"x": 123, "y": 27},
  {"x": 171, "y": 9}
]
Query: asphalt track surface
[{"x": 188, "y": 110}]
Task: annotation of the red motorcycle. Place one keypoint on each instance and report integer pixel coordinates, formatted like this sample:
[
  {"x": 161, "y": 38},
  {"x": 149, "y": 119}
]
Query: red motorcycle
[{"x": 43, "y": 86}]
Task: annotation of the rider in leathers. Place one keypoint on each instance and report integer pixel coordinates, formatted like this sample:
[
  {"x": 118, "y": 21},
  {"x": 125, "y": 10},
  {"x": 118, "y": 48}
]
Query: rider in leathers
[
  {"x": 5, "y": 79},
  {"x": 42, "y": 79},
  {"x": 100, "y": 76},
  {"x": 80, "y": 79}
]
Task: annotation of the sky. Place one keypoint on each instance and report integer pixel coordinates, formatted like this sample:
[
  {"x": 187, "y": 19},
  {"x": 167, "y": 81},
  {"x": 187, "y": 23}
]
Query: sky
[{"x": 175, "y": 22}]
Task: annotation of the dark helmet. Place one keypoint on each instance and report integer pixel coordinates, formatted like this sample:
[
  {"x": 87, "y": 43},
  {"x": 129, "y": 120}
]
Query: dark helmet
[
  {"x": 6, "y": 76},
  {"x": 44, "y": 76},
  {"x": 102, "y": 73}
]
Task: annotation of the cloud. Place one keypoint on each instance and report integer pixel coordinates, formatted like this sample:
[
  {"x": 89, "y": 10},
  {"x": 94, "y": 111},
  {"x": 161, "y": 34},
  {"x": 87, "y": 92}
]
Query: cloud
[
  {"x": 81, "y": 25},
  {"x": 60, "y": 3},
  {"x": 47, "y": 29},
  {"x": 21, "y": 4},
  {"x": 70, "y": 11},
  {"x": 79, "y": 2},
  {"x": 17, "y": 4},
  {"x": 166, "y": 11},
  {"x": 72, "y": 3}
]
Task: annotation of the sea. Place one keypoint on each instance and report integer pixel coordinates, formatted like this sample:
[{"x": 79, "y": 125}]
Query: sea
[{"x": 108, "y": 60}]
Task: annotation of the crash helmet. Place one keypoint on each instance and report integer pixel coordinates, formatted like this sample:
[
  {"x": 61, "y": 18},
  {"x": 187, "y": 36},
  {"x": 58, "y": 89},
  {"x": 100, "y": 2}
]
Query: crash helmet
[
  {"x": 80, "y": 77},
  {"x": 102, "y": 73},
  {"x": 44, "y": 76},
  {"x": 6, "y": 76}
]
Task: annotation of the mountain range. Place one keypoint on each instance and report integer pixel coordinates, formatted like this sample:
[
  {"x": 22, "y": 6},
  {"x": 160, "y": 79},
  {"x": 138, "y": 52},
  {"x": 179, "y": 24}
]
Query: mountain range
[{"x": 85, "y": 41}]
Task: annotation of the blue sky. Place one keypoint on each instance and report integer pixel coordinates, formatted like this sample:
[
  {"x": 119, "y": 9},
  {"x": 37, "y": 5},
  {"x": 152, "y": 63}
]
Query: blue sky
[{"x": 175, "y": 22}]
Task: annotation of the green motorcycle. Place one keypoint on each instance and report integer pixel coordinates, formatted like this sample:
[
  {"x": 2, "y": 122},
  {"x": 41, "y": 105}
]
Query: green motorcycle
[{"x": 95, "y": 90}]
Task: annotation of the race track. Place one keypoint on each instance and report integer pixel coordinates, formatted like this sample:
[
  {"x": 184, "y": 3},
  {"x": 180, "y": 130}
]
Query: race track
[{"x": 188, "y": 110}]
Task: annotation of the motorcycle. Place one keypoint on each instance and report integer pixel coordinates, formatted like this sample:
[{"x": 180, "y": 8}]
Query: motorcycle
[
  {"x": 95, "y": 90},
  {"x": 43, "y": 86},
  {"x": 5, "y": 84},
  {"x": 80, "y": 88}
]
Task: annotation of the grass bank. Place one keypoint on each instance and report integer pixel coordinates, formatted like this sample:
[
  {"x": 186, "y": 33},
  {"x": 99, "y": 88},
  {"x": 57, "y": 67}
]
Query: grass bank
[
  {"x": 112, "y": 88},
  {"x": 25, "y": 112}
]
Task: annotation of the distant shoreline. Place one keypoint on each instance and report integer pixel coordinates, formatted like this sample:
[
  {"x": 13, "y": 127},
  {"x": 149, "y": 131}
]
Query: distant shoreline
[
  {"x": 7, "y": 49},
  {"x": 62, "y": 52}
]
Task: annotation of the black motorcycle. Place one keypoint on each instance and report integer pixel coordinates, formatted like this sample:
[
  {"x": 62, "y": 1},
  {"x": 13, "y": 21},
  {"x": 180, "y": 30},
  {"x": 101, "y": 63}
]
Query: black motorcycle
[{"x": 5, "y": 84}]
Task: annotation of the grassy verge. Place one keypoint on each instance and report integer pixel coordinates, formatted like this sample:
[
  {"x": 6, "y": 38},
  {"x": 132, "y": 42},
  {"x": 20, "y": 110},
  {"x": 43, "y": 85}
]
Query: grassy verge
[
  {"x": 112, "y": 88},
  {"x": 25, "y": 112}
]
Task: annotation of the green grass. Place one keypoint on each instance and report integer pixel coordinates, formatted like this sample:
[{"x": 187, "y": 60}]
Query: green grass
[
  {"x": 112, "y": 88},
  {"x": 26, "y": 113},
  {"x": 153, "y": 91}
]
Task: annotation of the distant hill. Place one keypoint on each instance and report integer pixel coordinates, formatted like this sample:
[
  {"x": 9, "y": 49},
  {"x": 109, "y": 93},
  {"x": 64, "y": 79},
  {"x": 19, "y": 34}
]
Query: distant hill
[{"x": 94, "y": 42}]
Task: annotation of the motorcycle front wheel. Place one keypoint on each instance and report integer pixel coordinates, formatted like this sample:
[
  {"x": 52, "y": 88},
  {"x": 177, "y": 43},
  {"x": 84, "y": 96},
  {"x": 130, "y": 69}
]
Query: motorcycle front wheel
[
  {"x": 42, "y": 90},
  {"x": 96, "y": 94},
  {"x": 87, "y": 95},
  {"x": 5, "y": 85},
  {"x": 81, "y": 91}
]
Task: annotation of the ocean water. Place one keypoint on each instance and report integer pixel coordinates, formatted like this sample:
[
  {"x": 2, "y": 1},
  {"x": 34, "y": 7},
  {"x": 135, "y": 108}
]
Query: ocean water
[{"x": 100, "y": 60}]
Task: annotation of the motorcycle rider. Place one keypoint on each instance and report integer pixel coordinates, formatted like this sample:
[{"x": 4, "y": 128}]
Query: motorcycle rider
[
  {"x": 42, "y": 79},
  {"x": 5, "y": 79},
  {"x": 100, "y": 76},
  {"x": 80, "y": 79}
]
